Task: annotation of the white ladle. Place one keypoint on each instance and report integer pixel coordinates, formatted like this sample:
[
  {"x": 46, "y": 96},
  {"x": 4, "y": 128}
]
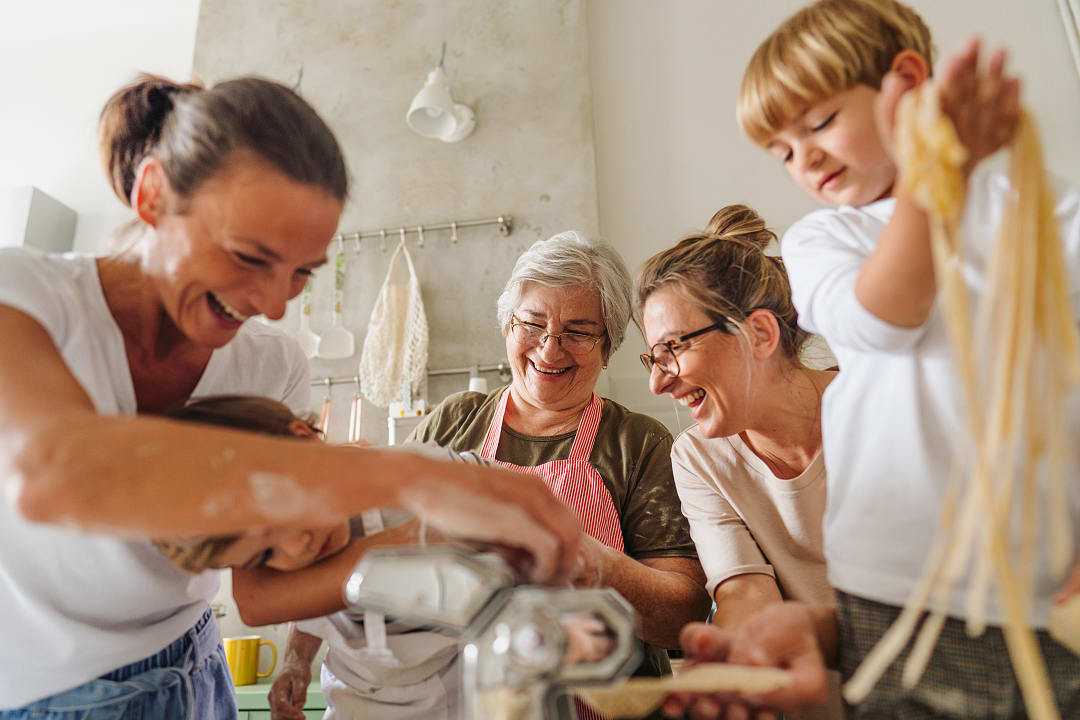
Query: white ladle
[
  {"x": 308, "y": 340},
  {"x": 337, "y": 342}
]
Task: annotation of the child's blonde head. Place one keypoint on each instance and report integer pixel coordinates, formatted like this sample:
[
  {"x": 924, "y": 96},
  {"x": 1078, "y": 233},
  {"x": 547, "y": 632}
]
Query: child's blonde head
[{"x": 824, "y": 49}]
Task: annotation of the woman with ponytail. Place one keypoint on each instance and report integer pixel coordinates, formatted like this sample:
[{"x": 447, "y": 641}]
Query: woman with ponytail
[
  {"x": 724, "y": 341},
  {"x": 236, "y": 191}
]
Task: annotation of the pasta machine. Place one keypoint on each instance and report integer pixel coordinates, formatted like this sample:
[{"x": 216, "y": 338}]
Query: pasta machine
[{"x": 522, "y": 646}]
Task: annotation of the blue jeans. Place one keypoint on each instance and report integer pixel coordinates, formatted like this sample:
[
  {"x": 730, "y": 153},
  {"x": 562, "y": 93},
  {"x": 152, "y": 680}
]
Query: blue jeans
[{"x": 187, "y": 680}]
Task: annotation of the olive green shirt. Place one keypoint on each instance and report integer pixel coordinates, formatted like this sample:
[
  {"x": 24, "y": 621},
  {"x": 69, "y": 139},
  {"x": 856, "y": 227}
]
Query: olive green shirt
[{"x": 632, "y": 453}]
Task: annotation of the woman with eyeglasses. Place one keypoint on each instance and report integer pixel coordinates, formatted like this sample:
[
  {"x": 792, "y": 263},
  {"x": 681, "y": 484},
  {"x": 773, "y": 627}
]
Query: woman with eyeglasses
[
  {"x": 564, "y": 311},
  {"x": 725, "y": 342}
]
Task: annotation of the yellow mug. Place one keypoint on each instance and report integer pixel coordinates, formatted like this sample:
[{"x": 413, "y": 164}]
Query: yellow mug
[{"x": 242, "y": 654}]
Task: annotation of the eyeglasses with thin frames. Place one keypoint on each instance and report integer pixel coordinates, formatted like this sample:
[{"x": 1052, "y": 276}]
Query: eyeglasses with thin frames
[
  {"x": 531, "y": 334},
  {"x": 664, "y": 355}
]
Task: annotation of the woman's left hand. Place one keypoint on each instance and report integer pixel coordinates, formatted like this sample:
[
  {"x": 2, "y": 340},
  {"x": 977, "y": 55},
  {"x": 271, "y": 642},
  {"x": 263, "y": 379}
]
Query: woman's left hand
[
  {"x": 782, "y": 635},
  {"x": 590, "y": 568}
]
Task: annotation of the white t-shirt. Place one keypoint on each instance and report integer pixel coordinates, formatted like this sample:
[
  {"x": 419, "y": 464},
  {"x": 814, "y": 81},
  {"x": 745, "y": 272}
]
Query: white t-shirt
[
  {"x": 74, "y": 606},
  {"x": 893, "y": 416}
]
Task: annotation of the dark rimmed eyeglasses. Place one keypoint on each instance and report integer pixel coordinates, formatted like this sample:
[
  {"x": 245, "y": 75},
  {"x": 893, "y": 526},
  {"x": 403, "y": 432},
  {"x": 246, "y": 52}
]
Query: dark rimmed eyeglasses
[{"x": 665, "y": 355}]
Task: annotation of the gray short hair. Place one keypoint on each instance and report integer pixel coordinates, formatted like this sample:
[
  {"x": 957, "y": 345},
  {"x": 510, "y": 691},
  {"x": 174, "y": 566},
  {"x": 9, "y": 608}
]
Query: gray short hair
[{"x": 571, "y": 259}]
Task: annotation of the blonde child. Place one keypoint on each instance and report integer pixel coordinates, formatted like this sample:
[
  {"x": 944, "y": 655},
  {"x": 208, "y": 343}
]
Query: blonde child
[{"x": 820, "y": 94}]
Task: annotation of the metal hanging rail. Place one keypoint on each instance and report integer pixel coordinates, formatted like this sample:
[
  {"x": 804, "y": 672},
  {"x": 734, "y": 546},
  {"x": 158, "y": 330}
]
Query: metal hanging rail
[
  {"x": 504, "y": 223},
  {"x": 502, "y": 367}
]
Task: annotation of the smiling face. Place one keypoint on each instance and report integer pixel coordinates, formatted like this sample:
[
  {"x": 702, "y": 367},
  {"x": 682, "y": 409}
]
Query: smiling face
[
  {"x": 548, "y": 376},
  {"x": 714, "y": 370},
  {"x": 833, "y": 150},
  {"x": 245, "y": 243}
]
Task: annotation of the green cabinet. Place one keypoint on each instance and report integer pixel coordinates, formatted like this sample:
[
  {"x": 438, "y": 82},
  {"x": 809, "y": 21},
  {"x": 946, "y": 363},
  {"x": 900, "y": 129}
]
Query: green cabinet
[{"x": 253, "y": 705}]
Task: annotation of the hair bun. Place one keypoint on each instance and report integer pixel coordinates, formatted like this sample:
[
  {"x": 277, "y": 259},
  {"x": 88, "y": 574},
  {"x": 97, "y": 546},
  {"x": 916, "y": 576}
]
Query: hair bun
[
  {"x": 740, "y": 223},
  {"x": 130, "y": 126}
]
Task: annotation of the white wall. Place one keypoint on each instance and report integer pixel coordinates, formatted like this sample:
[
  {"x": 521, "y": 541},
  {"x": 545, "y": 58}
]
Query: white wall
[
  {"x": 669, "y": 152},
  {"x": 522, "y": 65},
  {"x": 64, "y": 59}
]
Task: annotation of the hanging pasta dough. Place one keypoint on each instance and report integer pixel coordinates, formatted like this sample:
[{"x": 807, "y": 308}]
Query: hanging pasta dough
[
  {"x": 393, "y": 363},
  {"x": 1014, "y": 400}
]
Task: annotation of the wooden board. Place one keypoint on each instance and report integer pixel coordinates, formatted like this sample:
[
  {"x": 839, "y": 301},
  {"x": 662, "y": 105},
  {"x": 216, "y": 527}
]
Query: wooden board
[{"x": 637, "y": 697}]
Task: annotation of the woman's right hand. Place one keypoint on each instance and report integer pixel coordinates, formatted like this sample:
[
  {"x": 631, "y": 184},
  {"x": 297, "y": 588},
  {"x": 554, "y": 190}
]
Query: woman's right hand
[
  {"x": 782, "y": 635},
  {"x": 289, "y": 692},
  {"x": 499, "y": 507}
]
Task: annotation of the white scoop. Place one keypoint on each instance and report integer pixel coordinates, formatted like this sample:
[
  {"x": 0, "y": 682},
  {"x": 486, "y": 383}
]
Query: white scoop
[
  {"x": 308, "y": 340},
  {"x": 337, "y": 342}
]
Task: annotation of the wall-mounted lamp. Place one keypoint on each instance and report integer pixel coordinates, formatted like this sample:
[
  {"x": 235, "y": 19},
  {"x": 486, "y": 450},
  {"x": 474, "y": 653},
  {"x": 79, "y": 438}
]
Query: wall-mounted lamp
[{"x": 433, "y": 112}]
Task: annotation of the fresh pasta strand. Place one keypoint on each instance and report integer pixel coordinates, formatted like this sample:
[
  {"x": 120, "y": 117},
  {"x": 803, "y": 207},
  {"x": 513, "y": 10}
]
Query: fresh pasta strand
[{"x": 1015, "y": 401}]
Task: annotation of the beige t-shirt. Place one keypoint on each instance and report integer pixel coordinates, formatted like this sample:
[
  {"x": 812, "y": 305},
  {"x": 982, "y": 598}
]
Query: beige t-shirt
[{"x": 746, "y": 520}]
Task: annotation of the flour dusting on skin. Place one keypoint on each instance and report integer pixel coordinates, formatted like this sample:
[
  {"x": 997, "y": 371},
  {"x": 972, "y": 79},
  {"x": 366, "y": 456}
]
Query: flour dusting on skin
[
  {"x": 214, "y": 506},
  {"x": 222, "y": 459},
  {"x": 282, "y": 498},
  {"x": 221, "y": 501}
]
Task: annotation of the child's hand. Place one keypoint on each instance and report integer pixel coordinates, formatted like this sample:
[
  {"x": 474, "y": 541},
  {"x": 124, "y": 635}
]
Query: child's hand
[
  {"x": 983, "y": 104},
  {"x": 893, "y": 87},
  {"x": 1071, "y": 588},
  {"x": 289, "y": 692}
]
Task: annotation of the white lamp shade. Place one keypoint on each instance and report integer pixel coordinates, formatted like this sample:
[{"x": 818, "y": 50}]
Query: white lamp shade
[{"x": 434, "y": 114}]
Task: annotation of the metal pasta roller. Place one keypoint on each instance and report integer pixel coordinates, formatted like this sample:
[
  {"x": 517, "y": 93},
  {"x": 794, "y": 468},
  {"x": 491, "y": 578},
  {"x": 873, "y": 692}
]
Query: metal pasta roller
[{"x": 522, "y": 646}]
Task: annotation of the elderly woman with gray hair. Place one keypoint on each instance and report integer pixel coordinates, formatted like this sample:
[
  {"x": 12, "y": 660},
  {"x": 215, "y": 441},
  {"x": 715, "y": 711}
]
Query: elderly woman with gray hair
[{"x": 563, "y": 312}]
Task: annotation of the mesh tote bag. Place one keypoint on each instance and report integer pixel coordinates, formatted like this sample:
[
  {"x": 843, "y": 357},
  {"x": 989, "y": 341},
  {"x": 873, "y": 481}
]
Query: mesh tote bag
[{"x": 393, "y": 363}]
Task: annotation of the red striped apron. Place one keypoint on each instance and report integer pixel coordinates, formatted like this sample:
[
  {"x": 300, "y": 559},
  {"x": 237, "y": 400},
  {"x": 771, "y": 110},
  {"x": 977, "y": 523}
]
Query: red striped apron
[{"x": 574, "y": 481}]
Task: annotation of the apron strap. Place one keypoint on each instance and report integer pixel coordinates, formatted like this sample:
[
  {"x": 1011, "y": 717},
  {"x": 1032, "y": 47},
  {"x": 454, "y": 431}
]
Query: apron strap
[
  {"x": 584, "y": 437},
  {"x": 374, "y": 623},
  {"x": 494, "y": 432},
  {"x": 586, "y": 432}
]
